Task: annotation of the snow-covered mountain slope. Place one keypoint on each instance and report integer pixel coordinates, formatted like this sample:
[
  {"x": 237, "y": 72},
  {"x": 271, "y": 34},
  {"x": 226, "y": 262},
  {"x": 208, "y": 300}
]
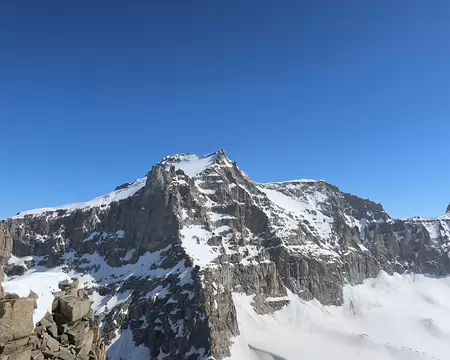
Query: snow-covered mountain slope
[
  {"x": 400, "y": 317},
  {"x": 196, "y": 256},
  {"x": 120, "y": 193}
]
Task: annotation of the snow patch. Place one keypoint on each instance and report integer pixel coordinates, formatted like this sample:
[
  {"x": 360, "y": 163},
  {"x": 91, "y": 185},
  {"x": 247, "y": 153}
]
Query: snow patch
[
  {"x": 104, "y": 200},
  {"x": 43, "y": 283},
  {"x": 106, "y": 303},
  {"x": 124, "y": 348},
  {"x": 129, "y": 255},
  {"x": 195, "y": 243},
  {"x": 306, "y": 210},
  {"x": 191, "y": 164}
]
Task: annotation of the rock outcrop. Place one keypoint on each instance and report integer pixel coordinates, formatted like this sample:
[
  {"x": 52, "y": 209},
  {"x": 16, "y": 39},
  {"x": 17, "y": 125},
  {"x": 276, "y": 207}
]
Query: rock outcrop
[
  {"x": 167, "y": 252},
  {"x": 66, "y": 334},
  {"x": 16, "y": 327}
]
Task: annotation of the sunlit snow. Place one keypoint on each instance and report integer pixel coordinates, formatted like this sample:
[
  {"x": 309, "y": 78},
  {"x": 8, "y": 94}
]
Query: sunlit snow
[
  {"x": 103, "y": 200},
  {"x": 191, "y": 164},
  {"x": 400, "y": 317},
  {"x": 43, "y": 282}
]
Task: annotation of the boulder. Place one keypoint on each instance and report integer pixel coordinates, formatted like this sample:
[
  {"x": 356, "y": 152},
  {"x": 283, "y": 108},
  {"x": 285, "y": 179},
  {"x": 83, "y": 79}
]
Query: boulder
[
  {"x": 16, "y": 318},
  {"x": 57, "y": 295},
  {"x": 11, "y": 296},
  {"x": 62, "y": 322},
  {"x": 39, "y": 329},
  {"x": 20, "y": 354},
  {"x": 77, "y": 333},
  {"x": 97, "y": 334},
  {"x": 15, "y": 270},
  {"x": 66, "y": 354},
  {"x": 99, "y": 353},
  {"x": 48, "y": 354},
  {"x": 15, "y": 345},
  {"x": 37, "y": 355},
  {"x": 69, "y": 288},
  {"x": 73, "y": 308},
  {"x": 33, "y": 295},
  {"x": 75, "y": 283},
  {"x": 49, "y": 323},
  {"x": 2, "y": 278},
  {"x": 89, "y": 316},
  {"x": 51, "y": 343},
  {"x": 5, "y": 243},
  {"x": 86, "y": 345},
  {"x": 64, "y": 284}
]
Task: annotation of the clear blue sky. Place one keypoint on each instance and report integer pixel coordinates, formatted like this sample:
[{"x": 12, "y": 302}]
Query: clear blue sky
[{"x": 93, "y": 93}]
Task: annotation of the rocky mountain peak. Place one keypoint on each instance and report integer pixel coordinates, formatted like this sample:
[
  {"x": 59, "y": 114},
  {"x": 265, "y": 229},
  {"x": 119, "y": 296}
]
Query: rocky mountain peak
[
  {"x": 448, "y": 209},
  {"x": 178, "y": 158},
  {"x": 169, "y": 259},
  {"x": 185, "y": 157},
  {"x": 192, "y": 164}
]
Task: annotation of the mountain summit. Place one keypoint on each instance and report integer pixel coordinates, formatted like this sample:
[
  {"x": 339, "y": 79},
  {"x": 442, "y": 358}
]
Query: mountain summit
[{"x": 198, "y": 261}]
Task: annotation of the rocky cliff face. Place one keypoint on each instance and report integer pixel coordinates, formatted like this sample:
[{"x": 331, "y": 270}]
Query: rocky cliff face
[{"x": 162, "y": 257}]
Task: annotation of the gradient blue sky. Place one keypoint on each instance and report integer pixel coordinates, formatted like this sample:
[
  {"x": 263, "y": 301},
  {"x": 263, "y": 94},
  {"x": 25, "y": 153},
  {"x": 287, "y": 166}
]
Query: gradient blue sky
[{"x": 93, "y": 93}]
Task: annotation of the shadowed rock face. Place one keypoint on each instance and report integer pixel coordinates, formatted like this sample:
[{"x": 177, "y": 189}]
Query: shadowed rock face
[
  {"x": 192, "y": 238},
  {"x": 6, "y": 244}
]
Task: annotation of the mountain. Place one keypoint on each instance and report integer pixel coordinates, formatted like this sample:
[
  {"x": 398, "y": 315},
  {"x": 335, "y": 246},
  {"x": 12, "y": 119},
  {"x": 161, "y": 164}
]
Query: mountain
[{"x": 198, "y": 261}]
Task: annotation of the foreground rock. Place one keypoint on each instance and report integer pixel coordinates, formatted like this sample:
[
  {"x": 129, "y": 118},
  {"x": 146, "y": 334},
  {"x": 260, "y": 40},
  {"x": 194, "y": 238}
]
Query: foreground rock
[
  {"x": 16, "y": 317},
  {"x": 66, "y": 334}
]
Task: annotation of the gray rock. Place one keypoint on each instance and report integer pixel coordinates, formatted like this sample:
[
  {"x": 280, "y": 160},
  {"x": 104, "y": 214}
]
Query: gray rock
[
  {"x": 15, "y": 270},
  {"x": 73, "y": 307},
  {"x": 64, "y": 339},
  {"x": 50, "y": 325},
  {"x": 37, "y": 355},
  {"x": 51, "y": 343},
  {"x": 55, "y": 303},
  {"x": 20, "y": 354},
  {"x": 86, "y": 345},
  {"x": 6, "y": 244},
  {"x": 16, "y": 345},
  {"x": 60, "y": 319},
  {"x": 77, "y": 333},
  {"x": 16, "y": 318},
  {"x": 33, "y": 295},
  {"x": 66, "y": 354},
  {"x": 2, "y": 278},
  {"x": 48, "y": 354}
]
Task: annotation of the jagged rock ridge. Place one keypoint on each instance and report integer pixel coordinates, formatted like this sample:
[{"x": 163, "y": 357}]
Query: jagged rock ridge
[
  {"x": 162, "y": 257},
  {"x": 65, "y": 333}
]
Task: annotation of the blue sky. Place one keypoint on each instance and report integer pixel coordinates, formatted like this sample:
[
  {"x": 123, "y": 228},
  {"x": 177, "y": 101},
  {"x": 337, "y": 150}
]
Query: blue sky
[{"x": 93, "y": 93}]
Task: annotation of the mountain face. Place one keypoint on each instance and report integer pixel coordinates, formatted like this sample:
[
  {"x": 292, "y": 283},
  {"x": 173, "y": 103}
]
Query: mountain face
[{"x": 168, "y": 259}]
